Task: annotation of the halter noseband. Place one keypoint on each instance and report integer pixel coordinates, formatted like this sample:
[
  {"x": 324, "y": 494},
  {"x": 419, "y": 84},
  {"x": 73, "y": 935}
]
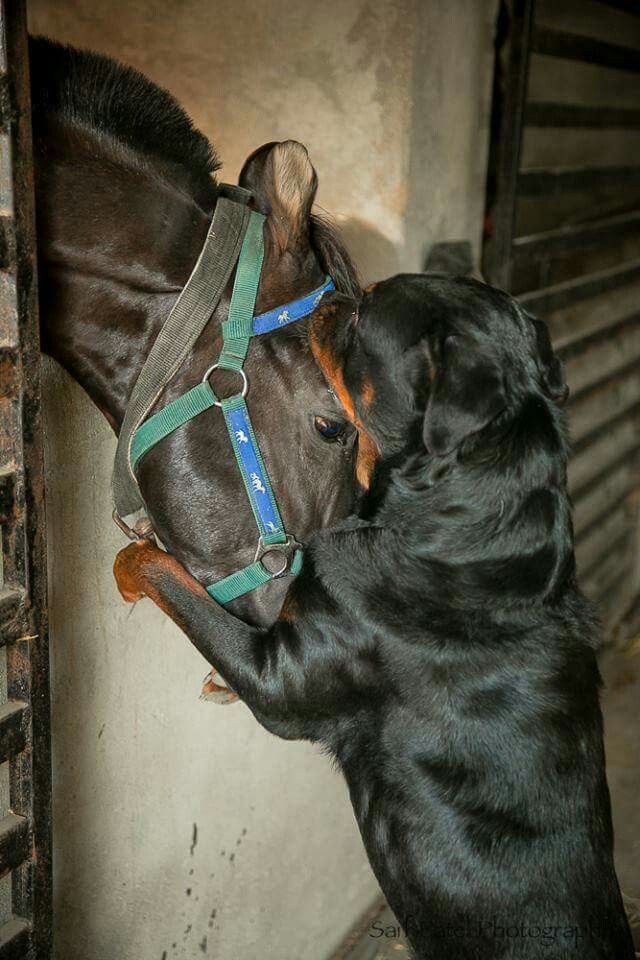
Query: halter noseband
[{"x": 237, "y": 332}]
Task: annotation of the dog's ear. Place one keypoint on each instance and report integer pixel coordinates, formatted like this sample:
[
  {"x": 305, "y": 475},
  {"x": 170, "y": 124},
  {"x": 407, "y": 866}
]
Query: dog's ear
[
  {"x": 467, "y": 393},
  {"x": 551, "y": 372}
]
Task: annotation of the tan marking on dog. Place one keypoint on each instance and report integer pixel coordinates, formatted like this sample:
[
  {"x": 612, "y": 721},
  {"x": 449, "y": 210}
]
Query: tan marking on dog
[
  {"x": 215, "y": 692},
  {"x": 135, "y": 566},
  {"x": 368, "y": 393},
  {"x": 371, "y": 287},
  {"x": 368, "y": 451},
  {"x": 289, "y": 611}
]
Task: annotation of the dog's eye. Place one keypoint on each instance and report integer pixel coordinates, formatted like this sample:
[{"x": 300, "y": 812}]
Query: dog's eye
[{"x": 330, "y": 430}]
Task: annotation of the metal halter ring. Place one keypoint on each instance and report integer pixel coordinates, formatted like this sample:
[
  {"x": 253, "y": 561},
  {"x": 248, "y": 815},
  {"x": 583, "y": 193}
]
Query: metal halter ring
[
  {"x": 245, "y": 382},
  {"x": 285, "y": 550}
]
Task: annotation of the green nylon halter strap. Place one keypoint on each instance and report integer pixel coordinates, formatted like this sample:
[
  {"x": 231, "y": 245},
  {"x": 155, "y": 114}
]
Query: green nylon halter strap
[
  {"x": 247, "y": 579},
  {"x": 174, "y": 415},
  {"x": 236, "y": 334}
]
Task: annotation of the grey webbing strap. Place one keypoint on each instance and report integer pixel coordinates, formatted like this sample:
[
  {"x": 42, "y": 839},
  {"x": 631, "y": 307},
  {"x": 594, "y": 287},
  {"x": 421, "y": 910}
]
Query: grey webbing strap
[{"x": 188, "y": 318}]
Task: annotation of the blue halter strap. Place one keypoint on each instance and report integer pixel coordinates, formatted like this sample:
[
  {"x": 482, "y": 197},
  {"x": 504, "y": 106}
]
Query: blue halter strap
[{"x": 237, "y": 331}]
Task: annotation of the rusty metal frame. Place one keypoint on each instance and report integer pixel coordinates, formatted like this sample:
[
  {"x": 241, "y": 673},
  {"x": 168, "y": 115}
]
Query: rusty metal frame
[
  {"x": 607, "y": 386},
  {"x": 25, "y": 751},
  {"x": 513, "y": 44}
]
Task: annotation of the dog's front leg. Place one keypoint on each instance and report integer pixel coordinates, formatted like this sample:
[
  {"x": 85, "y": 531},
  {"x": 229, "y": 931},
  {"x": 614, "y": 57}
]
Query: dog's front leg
[
  {"x": 307, "y": 666},
  {"x": 228, "y": 644}
]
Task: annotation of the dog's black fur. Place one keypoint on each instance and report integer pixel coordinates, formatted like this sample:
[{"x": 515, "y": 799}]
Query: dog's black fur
[{"x": 438, "y": 645}]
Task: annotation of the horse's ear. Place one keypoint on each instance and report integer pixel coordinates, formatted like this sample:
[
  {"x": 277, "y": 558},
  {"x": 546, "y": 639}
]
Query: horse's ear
[
  {"x": 467, "y": 393},
  {"x": 283, "y": 183}
]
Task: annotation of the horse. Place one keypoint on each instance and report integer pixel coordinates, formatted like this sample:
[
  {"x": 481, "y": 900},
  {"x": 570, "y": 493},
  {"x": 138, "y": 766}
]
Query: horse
[{"x": 126, "y": 189}]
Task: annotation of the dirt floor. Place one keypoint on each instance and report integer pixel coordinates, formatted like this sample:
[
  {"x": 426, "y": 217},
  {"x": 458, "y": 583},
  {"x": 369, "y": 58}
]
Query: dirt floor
[{"x": 621, "y": 706}]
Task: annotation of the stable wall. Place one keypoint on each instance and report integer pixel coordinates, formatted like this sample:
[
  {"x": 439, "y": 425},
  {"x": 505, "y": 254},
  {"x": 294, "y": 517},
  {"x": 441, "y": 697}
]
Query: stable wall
[{"x": 182, "y": 829}]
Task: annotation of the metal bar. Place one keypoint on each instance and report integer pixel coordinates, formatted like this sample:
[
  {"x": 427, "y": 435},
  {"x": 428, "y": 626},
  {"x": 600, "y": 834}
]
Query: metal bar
[
  {"x": 569, "y": 347},
  {"x": 605, "y": 413},
  {"x": 604, "y": 408},
  {"x": 551, "y": 181},
  {"x": 565, "y": 294},
  {"x": 575, "y": 46},
  {"x": 590, "y": 485},
  {"x": 612, "y": 575},
  {"x": 497, "y": 264},
  {"x": 630, "y": 414},
  {"x": 622, "y": 436},
  {"x": 609, "y": 508},
  {"x": 610, "y": 587},
  {"x": 618, "y": 374},
  {"x": 581, "y": 236},
  {"x": 14, "y": 719},
  {"x": 14, "y": 842},
  {"x": 539, "y": 113},
  {"x": 617, "y": 544},
  {"x": 21, "y": 445},
  {"x": 11, "y": 609},
  {"x": 7, "y": 492}
]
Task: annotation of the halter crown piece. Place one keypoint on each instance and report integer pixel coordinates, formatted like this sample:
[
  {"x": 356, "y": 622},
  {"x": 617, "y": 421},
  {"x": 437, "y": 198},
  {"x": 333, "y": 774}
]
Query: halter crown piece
[{"x": 139, "y": 435}]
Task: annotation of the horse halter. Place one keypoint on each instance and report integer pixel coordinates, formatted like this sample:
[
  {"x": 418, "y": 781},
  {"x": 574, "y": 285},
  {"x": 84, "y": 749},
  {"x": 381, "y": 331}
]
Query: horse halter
[{"x": 139, "y": 435}]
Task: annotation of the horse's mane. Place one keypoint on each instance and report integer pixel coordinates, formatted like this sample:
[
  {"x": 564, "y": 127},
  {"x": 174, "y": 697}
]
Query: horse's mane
[
  {"x": 334, "y": 257},
  {"x": 89, "y": 90},
  {"x": 113, "y": 100}
]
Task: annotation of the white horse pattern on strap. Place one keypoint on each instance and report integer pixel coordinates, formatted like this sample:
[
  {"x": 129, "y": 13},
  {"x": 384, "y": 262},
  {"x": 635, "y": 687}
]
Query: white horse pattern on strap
[{"x": 257, "y": 483}]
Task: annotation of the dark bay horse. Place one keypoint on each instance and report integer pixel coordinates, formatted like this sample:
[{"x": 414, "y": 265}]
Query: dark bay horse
[{"x": 125, "y": 191}]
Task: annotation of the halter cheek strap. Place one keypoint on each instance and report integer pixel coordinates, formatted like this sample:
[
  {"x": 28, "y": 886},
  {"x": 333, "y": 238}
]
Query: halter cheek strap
[{"x": 237, "y": 332}]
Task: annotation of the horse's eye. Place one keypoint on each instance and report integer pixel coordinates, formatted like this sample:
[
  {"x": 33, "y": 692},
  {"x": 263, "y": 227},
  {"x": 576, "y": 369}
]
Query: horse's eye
[{"x": 330, "y": 430}]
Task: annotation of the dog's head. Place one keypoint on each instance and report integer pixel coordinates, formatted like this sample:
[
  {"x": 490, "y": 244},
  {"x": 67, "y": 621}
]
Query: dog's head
[{"x": 453, "y": 356}]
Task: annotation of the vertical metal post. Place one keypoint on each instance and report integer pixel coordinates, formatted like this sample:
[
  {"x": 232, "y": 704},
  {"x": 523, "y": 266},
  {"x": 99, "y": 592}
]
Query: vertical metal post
[
  {"x": 512, "y": 76},
  {"x": 25, "y": 757}
]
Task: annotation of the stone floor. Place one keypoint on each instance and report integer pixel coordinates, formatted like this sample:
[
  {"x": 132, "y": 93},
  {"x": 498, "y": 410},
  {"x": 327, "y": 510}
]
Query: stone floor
[{"x": 621, "y": 706}]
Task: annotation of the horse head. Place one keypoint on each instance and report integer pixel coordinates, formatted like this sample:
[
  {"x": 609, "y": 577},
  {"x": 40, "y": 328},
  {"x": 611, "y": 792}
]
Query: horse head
[{"x": 125, "y": 193}]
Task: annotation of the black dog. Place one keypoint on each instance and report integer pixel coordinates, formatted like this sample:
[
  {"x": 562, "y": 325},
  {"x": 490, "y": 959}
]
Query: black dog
[{"x": 437, "y": 644}]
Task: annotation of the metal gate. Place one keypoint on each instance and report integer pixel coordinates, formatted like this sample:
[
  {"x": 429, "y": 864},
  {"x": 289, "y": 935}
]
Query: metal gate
[
  {"x": 25, "y": 761},
  {"x": 563, "y": 235}
]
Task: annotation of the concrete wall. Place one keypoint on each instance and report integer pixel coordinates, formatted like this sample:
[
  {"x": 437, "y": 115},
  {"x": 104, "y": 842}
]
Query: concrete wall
[{"x": 182, "y": 829}]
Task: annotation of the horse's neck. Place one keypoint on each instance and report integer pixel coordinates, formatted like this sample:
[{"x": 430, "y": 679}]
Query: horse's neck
[{"x": 116, "y": 244}]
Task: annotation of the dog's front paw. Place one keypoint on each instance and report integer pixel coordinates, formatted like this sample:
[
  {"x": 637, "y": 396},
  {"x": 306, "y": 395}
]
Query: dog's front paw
[
  {"x": 213, "y": 692},
  {"x": 130, "y": 566}
]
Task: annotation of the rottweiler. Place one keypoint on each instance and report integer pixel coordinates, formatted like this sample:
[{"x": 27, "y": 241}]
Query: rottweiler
[{"x": 437, "y": 644}]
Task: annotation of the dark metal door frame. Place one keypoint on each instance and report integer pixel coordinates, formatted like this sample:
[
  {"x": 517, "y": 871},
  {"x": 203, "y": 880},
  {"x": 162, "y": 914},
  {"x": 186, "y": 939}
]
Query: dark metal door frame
[
  {"x": 615, "y": 583},
  {"x": 25, "y": 814}
]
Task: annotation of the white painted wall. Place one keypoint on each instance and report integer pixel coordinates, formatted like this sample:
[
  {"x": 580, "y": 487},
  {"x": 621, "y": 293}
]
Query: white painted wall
[{"x": 392, "y": 100}]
